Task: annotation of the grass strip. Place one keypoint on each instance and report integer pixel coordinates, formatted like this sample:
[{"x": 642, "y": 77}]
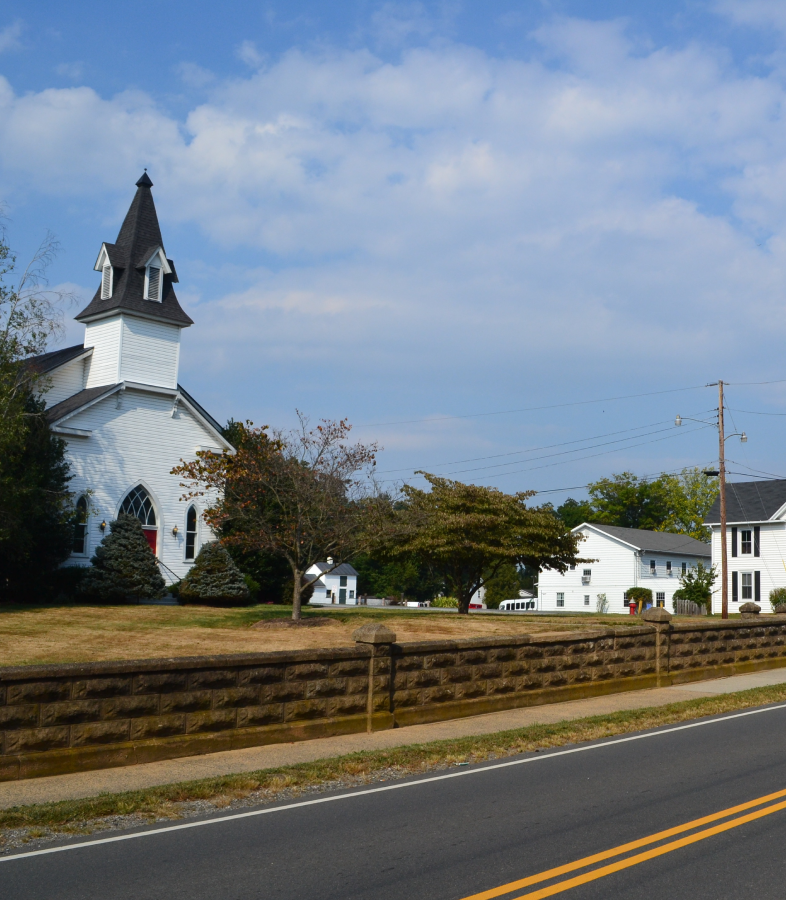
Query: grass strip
[{"x": 162, "y": 801}]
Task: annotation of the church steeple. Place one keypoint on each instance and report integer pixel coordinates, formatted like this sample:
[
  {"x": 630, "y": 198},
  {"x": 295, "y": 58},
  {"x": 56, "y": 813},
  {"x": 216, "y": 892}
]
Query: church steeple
[{"x": 137, "y": 277}]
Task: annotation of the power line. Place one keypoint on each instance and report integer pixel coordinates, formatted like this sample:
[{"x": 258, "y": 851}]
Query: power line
[
  {"x": 535, "y": 449},
  {"x": 754, "y": 412},
  {"x": 505, "y": 412}
]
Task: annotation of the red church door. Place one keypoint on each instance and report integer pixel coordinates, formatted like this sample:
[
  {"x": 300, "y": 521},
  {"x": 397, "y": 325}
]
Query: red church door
[{"x": 151, "y": 534}]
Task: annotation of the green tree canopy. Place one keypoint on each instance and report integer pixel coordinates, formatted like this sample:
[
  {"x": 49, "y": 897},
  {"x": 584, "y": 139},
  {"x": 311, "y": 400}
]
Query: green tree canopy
[
  {"x": 675, "y": 503},
  {"x": 696, "y": 585},
  {"x": 465, "y": 534}
]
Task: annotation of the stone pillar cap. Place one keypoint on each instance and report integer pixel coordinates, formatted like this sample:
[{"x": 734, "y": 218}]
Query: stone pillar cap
[
  {"x": 751, "y": 609},
  {"x": 656, "y": 614},
  {"x": 373, "y": 633}
]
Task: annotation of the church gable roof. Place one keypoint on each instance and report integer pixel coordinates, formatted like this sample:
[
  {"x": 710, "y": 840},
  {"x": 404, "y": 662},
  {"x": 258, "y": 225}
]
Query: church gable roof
[
  {"x": 48, "y": 362},
  {"x": 138, "y": 240}
]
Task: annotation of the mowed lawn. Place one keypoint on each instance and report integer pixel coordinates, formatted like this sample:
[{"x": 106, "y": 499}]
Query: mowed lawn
[{"x": 50, "y": 634}]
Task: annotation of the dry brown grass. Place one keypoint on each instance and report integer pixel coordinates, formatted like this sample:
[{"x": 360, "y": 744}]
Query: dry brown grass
[{"x": 51, "y": 634}]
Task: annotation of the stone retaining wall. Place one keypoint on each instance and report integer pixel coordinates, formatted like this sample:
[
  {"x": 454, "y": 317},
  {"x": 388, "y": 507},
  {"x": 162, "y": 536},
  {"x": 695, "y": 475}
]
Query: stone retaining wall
[{"x": 67, "y": 718}]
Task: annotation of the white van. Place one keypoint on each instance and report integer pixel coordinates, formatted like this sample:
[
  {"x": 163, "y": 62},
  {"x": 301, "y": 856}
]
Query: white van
[{"x": 518, "y": 605}]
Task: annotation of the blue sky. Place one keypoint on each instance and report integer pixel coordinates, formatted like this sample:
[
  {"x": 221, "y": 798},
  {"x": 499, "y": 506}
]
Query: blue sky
[{"x": 451, "y": 223}]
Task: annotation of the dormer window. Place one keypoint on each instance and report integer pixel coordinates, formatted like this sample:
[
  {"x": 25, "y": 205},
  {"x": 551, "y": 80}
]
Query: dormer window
[
  {"x": 106, "y": 282},
  {"x": 156, "y": 267},
  {"x": 153, "y": 283}
]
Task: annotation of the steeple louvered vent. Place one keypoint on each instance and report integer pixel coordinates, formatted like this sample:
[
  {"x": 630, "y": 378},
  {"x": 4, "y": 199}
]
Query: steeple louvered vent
[
  {"x": 153, "y": 283},
  {"x": 106, "y": 282}
]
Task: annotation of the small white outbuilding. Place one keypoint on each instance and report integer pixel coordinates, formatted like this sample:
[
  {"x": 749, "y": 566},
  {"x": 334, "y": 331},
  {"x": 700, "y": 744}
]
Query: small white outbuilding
[{"x": 333, "y": 584}]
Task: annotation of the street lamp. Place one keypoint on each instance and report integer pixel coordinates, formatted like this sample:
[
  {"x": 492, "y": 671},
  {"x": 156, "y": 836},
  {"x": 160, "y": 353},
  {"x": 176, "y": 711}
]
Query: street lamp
[{"x": 721, "y": 473}]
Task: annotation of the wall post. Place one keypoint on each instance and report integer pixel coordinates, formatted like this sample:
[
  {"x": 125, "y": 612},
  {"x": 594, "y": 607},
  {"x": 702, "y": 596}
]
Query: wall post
[
  {"x": 374, "y": 635},
  {"x": 660, "y": 619}
]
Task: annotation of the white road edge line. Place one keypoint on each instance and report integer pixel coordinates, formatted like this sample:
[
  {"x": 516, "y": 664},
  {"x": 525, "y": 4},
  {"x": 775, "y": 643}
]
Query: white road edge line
[{"x": 390, "y": 787}]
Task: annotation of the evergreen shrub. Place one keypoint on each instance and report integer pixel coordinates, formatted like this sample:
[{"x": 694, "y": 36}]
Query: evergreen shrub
[
  {"x": 124, "y": 568},
  {"x": 214, "y": 579},
  {"x": 778, "y": 599}
]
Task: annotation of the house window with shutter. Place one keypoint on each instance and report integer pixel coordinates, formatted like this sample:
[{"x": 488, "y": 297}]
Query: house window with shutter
[
  {"x": 746, "y": 543},
  {"x": 153, "y": 283},
  {"x": 747, "y": 585},
  {"x": 106, "y": 282},
  {"x": 652, "y": 567}
]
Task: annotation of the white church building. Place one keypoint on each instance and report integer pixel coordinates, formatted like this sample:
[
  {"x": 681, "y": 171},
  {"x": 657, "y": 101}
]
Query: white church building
[{"x": 116, "y": 400}]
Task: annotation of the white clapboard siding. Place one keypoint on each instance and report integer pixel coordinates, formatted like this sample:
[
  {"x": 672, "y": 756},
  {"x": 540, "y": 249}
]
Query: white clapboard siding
[
  {"x": 138, "y": 442},
  {"x": 612, "y": 574},
  {"x": 104, "y": 337},
  {"x": 617, "y": 569},
  {"x": 771, "y": 564},
  {"x": 150, "y": 352},
  {"x": 65, "y": 382}
]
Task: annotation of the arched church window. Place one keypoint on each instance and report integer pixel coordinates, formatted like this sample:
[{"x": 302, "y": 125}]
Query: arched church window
[
  {"x": 80, "y": 526},
  {"x": 191, "y": 532},
  {"x": 138, "y": 503},
  {"x": 106, "y": 282}
]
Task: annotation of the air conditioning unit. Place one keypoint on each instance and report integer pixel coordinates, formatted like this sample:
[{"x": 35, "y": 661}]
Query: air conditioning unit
[{"x": 585, "y": 579}]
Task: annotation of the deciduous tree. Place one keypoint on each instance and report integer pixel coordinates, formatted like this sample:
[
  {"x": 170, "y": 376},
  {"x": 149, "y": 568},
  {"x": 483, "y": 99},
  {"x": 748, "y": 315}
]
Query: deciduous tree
[
  {"x": 301, "y": 495},
  {"x": 465, "y": 534}
]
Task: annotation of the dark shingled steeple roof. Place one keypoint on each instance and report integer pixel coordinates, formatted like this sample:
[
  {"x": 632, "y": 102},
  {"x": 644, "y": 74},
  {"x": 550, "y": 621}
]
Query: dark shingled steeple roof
[{"x": 138, "y": 239}]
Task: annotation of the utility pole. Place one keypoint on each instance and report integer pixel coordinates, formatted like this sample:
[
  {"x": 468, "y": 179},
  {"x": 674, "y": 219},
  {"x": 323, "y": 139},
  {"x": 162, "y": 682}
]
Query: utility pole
[
  {"x": 722, "y": 485},
  {"x": 721, "y": 473}
]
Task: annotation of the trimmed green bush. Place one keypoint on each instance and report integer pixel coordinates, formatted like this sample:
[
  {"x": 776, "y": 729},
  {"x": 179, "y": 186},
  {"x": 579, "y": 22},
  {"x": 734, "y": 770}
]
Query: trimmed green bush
[
  {"x": 778, "y": 599},
  {"x": 214, "y": 579},
  {"x": 445, "y": 602},
  {"x": 124, "y": 567},
  {"x": 641, "y": 595}
]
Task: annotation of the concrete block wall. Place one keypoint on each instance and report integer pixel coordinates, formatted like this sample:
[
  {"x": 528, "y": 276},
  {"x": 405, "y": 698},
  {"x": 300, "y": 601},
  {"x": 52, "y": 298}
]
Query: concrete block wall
[{"x": 64, "y": 718}]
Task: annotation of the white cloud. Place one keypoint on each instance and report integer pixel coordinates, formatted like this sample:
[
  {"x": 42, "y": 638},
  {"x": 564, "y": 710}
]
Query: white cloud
[
  {"x": 756, "y": 13},
  {"x": 73, "y": 70},
  {"x": 10, "y": 37},
  {"x": 247, "y": 52},
  {"x": 457, "y": 219},
  {"x": 195, "y": 76}
]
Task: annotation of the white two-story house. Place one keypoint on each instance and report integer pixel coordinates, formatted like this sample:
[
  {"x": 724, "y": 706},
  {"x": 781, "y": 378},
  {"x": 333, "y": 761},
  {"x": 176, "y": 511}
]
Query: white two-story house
[
  {"x": 623, "y": 558},
  {"x": 337, "y": 586},
  {"x": 755, "y": 542}
]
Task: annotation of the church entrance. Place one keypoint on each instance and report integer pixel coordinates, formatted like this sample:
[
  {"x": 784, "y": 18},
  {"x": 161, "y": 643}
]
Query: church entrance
[{"x": 138, "y": 503}]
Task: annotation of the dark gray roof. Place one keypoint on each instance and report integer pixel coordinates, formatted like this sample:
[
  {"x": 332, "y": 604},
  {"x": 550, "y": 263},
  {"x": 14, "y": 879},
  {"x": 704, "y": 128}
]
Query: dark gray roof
[
  {"x": 72, "y": 404},
  {"x": 48, "y": 362},
  {"x": 139, "y": 236},
  {"x": 750, "y": 501},
  {"x": 343, "y": 569},
  {"x": 656, "y": 541},
  {"x": 201, "y": 409}
]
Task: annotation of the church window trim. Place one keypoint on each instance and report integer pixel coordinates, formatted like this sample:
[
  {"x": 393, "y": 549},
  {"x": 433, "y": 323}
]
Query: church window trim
[
  {"x": 107, "y": 276},
  {"x": 155, "y": 268},
  {"x": 192, "y": 533},
  {"x": 81, "y": 514}
]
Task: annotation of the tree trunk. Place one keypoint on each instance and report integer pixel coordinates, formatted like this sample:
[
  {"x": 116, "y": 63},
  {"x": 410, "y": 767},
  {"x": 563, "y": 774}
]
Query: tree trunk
[
  {"x": 463, "y": 604},
  {"x": 297, "y": 591}
]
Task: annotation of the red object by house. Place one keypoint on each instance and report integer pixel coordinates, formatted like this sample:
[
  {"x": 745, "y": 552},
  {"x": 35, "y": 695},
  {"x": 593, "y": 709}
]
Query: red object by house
[{"x": 151, "y": 534}]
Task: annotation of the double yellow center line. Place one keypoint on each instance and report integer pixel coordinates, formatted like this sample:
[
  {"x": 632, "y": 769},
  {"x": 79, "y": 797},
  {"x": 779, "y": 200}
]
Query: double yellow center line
[{"x": 637, "y": 858}]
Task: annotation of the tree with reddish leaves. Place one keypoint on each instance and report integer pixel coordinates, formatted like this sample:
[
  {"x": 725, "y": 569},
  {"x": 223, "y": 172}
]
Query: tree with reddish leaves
[{"x": 305, "y": 495}]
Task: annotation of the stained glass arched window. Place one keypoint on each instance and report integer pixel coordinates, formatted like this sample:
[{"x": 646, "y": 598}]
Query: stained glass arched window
[
  {"x": 139, "y": 504},
  {"x": 80, "y": 526},
  {"x": 191, "y": 532}
]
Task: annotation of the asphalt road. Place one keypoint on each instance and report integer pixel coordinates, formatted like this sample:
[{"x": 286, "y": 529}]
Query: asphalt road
[{"x": 485, "y": 828}]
